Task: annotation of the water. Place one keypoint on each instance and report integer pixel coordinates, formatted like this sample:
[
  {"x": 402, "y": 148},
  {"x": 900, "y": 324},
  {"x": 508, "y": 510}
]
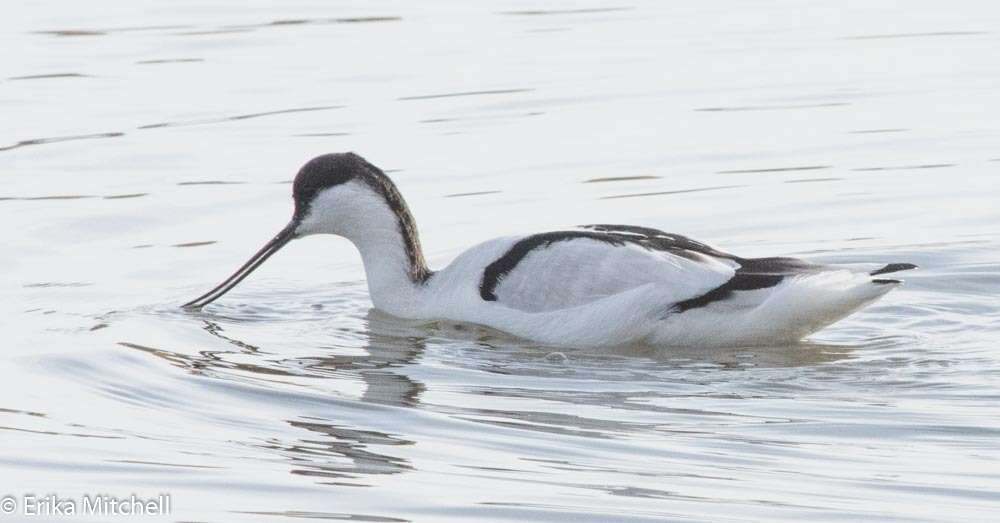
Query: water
[{"x": 148, "y": 148}]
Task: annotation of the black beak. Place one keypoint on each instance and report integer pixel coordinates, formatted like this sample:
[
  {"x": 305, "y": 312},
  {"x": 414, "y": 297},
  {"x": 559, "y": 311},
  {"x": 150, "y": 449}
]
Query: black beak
[{"x": 286, "y": 235}]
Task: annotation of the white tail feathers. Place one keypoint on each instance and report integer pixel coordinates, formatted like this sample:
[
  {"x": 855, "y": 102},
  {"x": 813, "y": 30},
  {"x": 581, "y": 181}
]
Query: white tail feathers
[{"x": 785, "y": 313}]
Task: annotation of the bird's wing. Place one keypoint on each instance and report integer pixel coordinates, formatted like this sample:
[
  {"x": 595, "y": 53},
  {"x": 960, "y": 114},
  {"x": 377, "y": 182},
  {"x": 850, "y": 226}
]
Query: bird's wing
[{"x": 557, "y": 270}]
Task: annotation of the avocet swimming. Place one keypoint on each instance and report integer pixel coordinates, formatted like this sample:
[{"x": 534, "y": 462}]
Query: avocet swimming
[{"x": 597, "y": 285}]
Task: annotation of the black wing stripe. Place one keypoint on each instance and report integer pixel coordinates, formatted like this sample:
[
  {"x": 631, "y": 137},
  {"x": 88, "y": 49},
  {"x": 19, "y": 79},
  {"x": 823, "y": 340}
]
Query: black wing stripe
[
  {"x": 753, "y": 274},
  {"x": 496, "y": 271},
  {"x": 616, "y": 235},
  {"x": 893, "y": 267},
  {"x": 740, "y": 282}
]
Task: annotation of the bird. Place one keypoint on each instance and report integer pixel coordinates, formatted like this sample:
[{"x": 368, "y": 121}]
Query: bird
[{"x": 598, "y": 285}]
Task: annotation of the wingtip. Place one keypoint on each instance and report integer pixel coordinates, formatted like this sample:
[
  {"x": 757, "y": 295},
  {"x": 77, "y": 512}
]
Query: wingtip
[{"x": 893, "y": 267}]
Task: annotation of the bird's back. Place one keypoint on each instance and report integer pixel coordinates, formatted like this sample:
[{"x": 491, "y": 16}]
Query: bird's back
[{"x": 605, "y": 284}]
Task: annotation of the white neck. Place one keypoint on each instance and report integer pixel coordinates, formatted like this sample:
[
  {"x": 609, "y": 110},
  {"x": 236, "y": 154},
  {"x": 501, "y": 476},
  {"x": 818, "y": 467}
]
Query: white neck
[
  {"x": 357, "y": 212},
  {"x": 387, "y": 270}
]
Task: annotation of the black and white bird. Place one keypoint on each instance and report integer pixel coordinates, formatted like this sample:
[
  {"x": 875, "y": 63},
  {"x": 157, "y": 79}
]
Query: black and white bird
[{"x": 597, "y": 285}]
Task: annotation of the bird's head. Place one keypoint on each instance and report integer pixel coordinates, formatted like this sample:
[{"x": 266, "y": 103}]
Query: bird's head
[{"x": 338, "y": 193}]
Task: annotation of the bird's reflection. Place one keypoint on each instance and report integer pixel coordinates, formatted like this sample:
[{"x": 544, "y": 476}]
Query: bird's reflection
[
  {"x": 378, "y": 350},
  {"x": 337, "y": 452},
  {"x": 389, "y": 347},
  {"x": 332, "y": 449}
]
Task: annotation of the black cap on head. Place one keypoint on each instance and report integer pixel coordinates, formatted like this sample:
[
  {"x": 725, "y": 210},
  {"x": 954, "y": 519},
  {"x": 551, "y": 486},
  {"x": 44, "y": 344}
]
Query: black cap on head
[
  {"x": 326, "y": 171},
  {"x": 330, "y": 170}
]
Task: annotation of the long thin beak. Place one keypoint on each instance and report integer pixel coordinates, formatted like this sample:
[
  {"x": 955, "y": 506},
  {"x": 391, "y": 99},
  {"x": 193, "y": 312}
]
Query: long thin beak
[{"x": 286, "y": 235}]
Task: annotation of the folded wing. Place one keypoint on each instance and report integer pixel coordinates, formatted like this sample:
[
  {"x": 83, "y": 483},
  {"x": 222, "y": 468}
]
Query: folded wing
[{"x": 561, "y": 269}]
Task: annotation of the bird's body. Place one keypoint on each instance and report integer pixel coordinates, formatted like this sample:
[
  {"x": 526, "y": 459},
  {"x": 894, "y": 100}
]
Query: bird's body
[
  {"x": 578, "y": 288},
  {"x": 597, "y": 285}
]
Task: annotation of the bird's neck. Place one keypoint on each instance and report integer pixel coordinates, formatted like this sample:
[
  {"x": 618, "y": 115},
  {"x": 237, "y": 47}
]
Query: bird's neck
[
  {"x": 395, "y": 283},
  {"x": 385, "y": 233}
]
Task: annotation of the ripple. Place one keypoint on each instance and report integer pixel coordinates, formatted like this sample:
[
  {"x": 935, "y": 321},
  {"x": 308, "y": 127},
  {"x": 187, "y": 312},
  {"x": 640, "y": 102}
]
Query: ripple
[
  {"x": 213, "y": 32},
  {"x": 102, "y": 32},
  {"x": 907, "y": 167},
  {"x": 48, "y": 76},
  {"x": 126, "y": 196},
  {"x": 878, "y": 131},
  {"x": 366, "y": 19},
  {"x": 238, "y": 117},
  {"x": 57, "y": 139},
  {"x": 50, "y": 197},
  {"x": 72, "y": 32},
  {"x": 776, "y": 169},
  {"x": 211, "y": 182},
  {"x": 737, "y": 108},
  {"x": 464, "y": 194},
  {"x": 621, "y": 179},
  {"x": 170, "y": 61},
  {"x": 662, "y": 193},
  {"x": 195, "y": 244},
  {"x": 813, "y": 180},
  {"x": 162, "y": 464},
  {"x": 480, "y": 118},
  {"x": 338, "y": 516},
  {"x": 465, "y": 93},
  {"x": 58, "y": 433},
  {"x": 24, "y": 412},
  {"x": 341, "y": 20},
  {"x": 916, "y": 35},
  {"x": 49, "y": 284},
  {"x": 577, "y": 11}
]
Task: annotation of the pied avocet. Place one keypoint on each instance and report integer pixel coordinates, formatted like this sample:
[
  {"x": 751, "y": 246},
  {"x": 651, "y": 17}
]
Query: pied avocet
[{"x": 597, "y": 285}]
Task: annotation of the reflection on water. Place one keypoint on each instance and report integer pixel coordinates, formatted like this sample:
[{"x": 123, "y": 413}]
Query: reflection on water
[
  {"x": 153, "y": 144},
  {"x": 339, "y": 452}
]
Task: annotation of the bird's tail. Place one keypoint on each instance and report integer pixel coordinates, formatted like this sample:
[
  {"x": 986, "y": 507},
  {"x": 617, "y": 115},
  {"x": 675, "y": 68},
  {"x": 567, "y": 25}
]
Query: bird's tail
[
  {"x": 801, "y": 304},
  {"x": 809, "y": 302}
]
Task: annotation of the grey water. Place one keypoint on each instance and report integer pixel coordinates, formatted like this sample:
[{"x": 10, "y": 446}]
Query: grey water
[{"x": 147, "y": 148}]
